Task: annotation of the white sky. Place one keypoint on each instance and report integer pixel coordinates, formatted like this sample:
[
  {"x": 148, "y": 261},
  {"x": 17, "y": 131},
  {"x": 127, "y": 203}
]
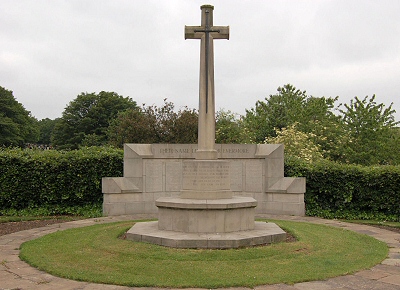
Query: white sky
[{"x": 51, "y": 51}]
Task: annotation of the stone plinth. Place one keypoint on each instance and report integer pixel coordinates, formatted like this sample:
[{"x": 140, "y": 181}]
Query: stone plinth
[
  {"x": 206, "y": 216},
  {"x": 152, "y": 171},
  {"x": 263, "y": 233}
]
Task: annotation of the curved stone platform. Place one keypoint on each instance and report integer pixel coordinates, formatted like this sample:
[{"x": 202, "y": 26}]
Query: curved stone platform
[
  {"x": 206, "y": 215},
  {"x": 263, "y": 233}
]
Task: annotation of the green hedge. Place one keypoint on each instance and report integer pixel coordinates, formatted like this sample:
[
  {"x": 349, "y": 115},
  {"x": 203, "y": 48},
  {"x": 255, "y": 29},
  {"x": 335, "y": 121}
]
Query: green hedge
[
  {"x": 58, "y": 180},
  {"x": 55, "y": 179},
  {"x": 336, "y": 190}
]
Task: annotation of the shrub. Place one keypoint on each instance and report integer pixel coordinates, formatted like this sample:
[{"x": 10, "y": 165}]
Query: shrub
[
  {"x": 60, "y": 180},
  {"x": 297, "y": 143},
  {"x": 336, "y": 190}
]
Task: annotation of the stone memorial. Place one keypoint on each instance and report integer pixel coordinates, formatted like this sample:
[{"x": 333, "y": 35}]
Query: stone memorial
[{"x": 206, "y": 194}]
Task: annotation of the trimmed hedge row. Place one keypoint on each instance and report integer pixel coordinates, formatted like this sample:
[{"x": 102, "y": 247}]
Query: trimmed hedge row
[
  {"x": 55, "y": 179},
  {"x": 58, "y": 180},
  {"x": 349, "y": 191}
]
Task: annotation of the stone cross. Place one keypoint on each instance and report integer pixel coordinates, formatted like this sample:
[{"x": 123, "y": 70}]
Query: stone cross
[{"x": 206, "y": 33}]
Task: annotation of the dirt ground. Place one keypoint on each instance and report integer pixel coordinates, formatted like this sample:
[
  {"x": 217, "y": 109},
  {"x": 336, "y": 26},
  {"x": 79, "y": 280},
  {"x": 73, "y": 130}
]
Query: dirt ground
[
  {"x": 13, "y": 227},
  {"x": 396, "y": 230}
]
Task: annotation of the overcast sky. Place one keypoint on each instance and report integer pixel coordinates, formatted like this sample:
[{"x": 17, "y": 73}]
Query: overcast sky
[{"x": 51, "y": 51}]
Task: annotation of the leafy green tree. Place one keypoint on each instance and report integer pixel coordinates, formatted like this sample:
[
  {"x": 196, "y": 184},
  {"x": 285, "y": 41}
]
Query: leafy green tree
[
  {"x": 152, "y": 124},
  {"x": 363, "y": 132},
  {"x": 185, "y": 128},
  {"x": 326, "y": 128},
  {"x": 131, "y": 126},
  {"x": 228, "y": 128},
  {"x": 46, "y": 127},
  {"x": 277, "y": 112},
  {"x": 289, "y": 106},
  {"x": 17, "y": 126},
  {"x": 86, "y": 119},
  {"x": 373, "y": 136}
]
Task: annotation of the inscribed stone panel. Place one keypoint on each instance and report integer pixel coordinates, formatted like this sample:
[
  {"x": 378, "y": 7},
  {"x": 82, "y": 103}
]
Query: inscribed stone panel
[
  {"x": 225, "y": 151},
  {"x": 236, "y": 150},
  {"x": 236, "y": 175},
  {"x": 173, "y": 176},
  {"x": 174, "y": 150},
  {"x": 205, "y": 175},
  {"x": 153, "y": 175},
  {"x": 254, "y": 176}
]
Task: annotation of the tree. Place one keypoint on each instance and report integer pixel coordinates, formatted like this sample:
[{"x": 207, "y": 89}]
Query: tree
[
  {"x": 17, "y": 126},
  {"x": 363, "y": 132},
  {"x": 277, "y": 112},
  {"x": 297, "y": 143},
  {"x": 185, "y": 129},
  {"x": 313, "y": 116},
  {"x": 228, "y": 128},
  {"x": 373, "y": 136},
  {"x": 326, "y": 128},
  {"x": 152, "y": 124},
  {"x": 46, "y": 127},
  {"x": 86, "y": 119},
  {"x": 131, "y": 126}
]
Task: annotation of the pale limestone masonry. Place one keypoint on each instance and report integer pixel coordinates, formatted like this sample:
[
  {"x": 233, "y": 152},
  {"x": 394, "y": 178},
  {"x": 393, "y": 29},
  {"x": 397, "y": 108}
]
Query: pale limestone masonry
[
  {"x": 206, "y": 194},
  {"x": 262, "y": 234},
  {"x": 206, "y": 33},
  {"x": 154, "y": 171}
]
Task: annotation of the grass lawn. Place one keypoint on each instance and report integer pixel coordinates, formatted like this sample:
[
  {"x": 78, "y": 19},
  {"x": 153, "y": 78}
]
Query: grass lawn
[{"x": 96, "y": 254}]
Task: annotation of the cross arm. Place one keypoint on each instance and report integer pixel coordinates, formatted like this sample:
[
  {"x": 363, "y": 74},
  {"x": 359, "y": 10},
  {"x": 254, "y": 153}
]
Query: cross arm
[
  {"x": 196, "y": 32},
  {"x": 222, "y": 34},
  {"x": 191, "y": 34}
]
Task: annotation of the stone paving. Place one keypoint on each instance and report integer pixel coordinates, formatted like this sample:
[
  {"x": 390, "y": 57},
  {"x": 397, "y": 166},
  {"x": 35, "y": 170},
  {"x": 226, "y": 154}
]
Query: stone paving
[{"x": 17, "y": 275}]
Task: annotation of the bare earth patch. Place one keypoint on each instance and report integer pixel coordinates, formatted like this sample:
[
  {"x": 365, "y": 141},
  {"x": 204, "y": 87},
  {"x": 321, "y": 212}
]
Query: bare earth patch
[
  {"x": 393, "y": 229},
  {"x": 13, "y": 227}
]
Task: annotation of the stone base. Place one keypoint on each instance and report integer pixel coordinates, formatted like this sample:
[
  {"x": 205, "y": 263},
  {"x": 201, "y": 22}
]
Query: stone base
[
  {"x": 263, "y": 233},
  {"x": 206, "y": 216}
]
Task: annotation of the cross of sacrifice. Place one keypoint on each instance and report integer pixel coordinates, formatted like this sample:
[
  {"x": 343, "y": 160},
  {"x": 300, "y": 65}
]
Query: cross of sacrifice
[{"x": 206, "y": 33}]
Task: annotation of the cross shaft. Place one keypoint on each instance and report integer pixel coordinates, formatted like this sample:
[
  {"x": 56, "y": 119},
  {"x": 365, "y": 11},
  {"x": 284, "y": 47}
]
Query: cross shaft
[{"x": 206, "y": 33}]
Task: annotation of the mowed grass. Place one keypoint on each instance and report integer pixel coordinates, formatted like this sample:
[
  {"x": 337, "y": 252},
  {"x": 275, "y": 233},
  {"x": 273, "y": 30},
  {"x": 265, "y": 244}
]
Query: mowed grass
[{"x": 96, "y": 254}]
